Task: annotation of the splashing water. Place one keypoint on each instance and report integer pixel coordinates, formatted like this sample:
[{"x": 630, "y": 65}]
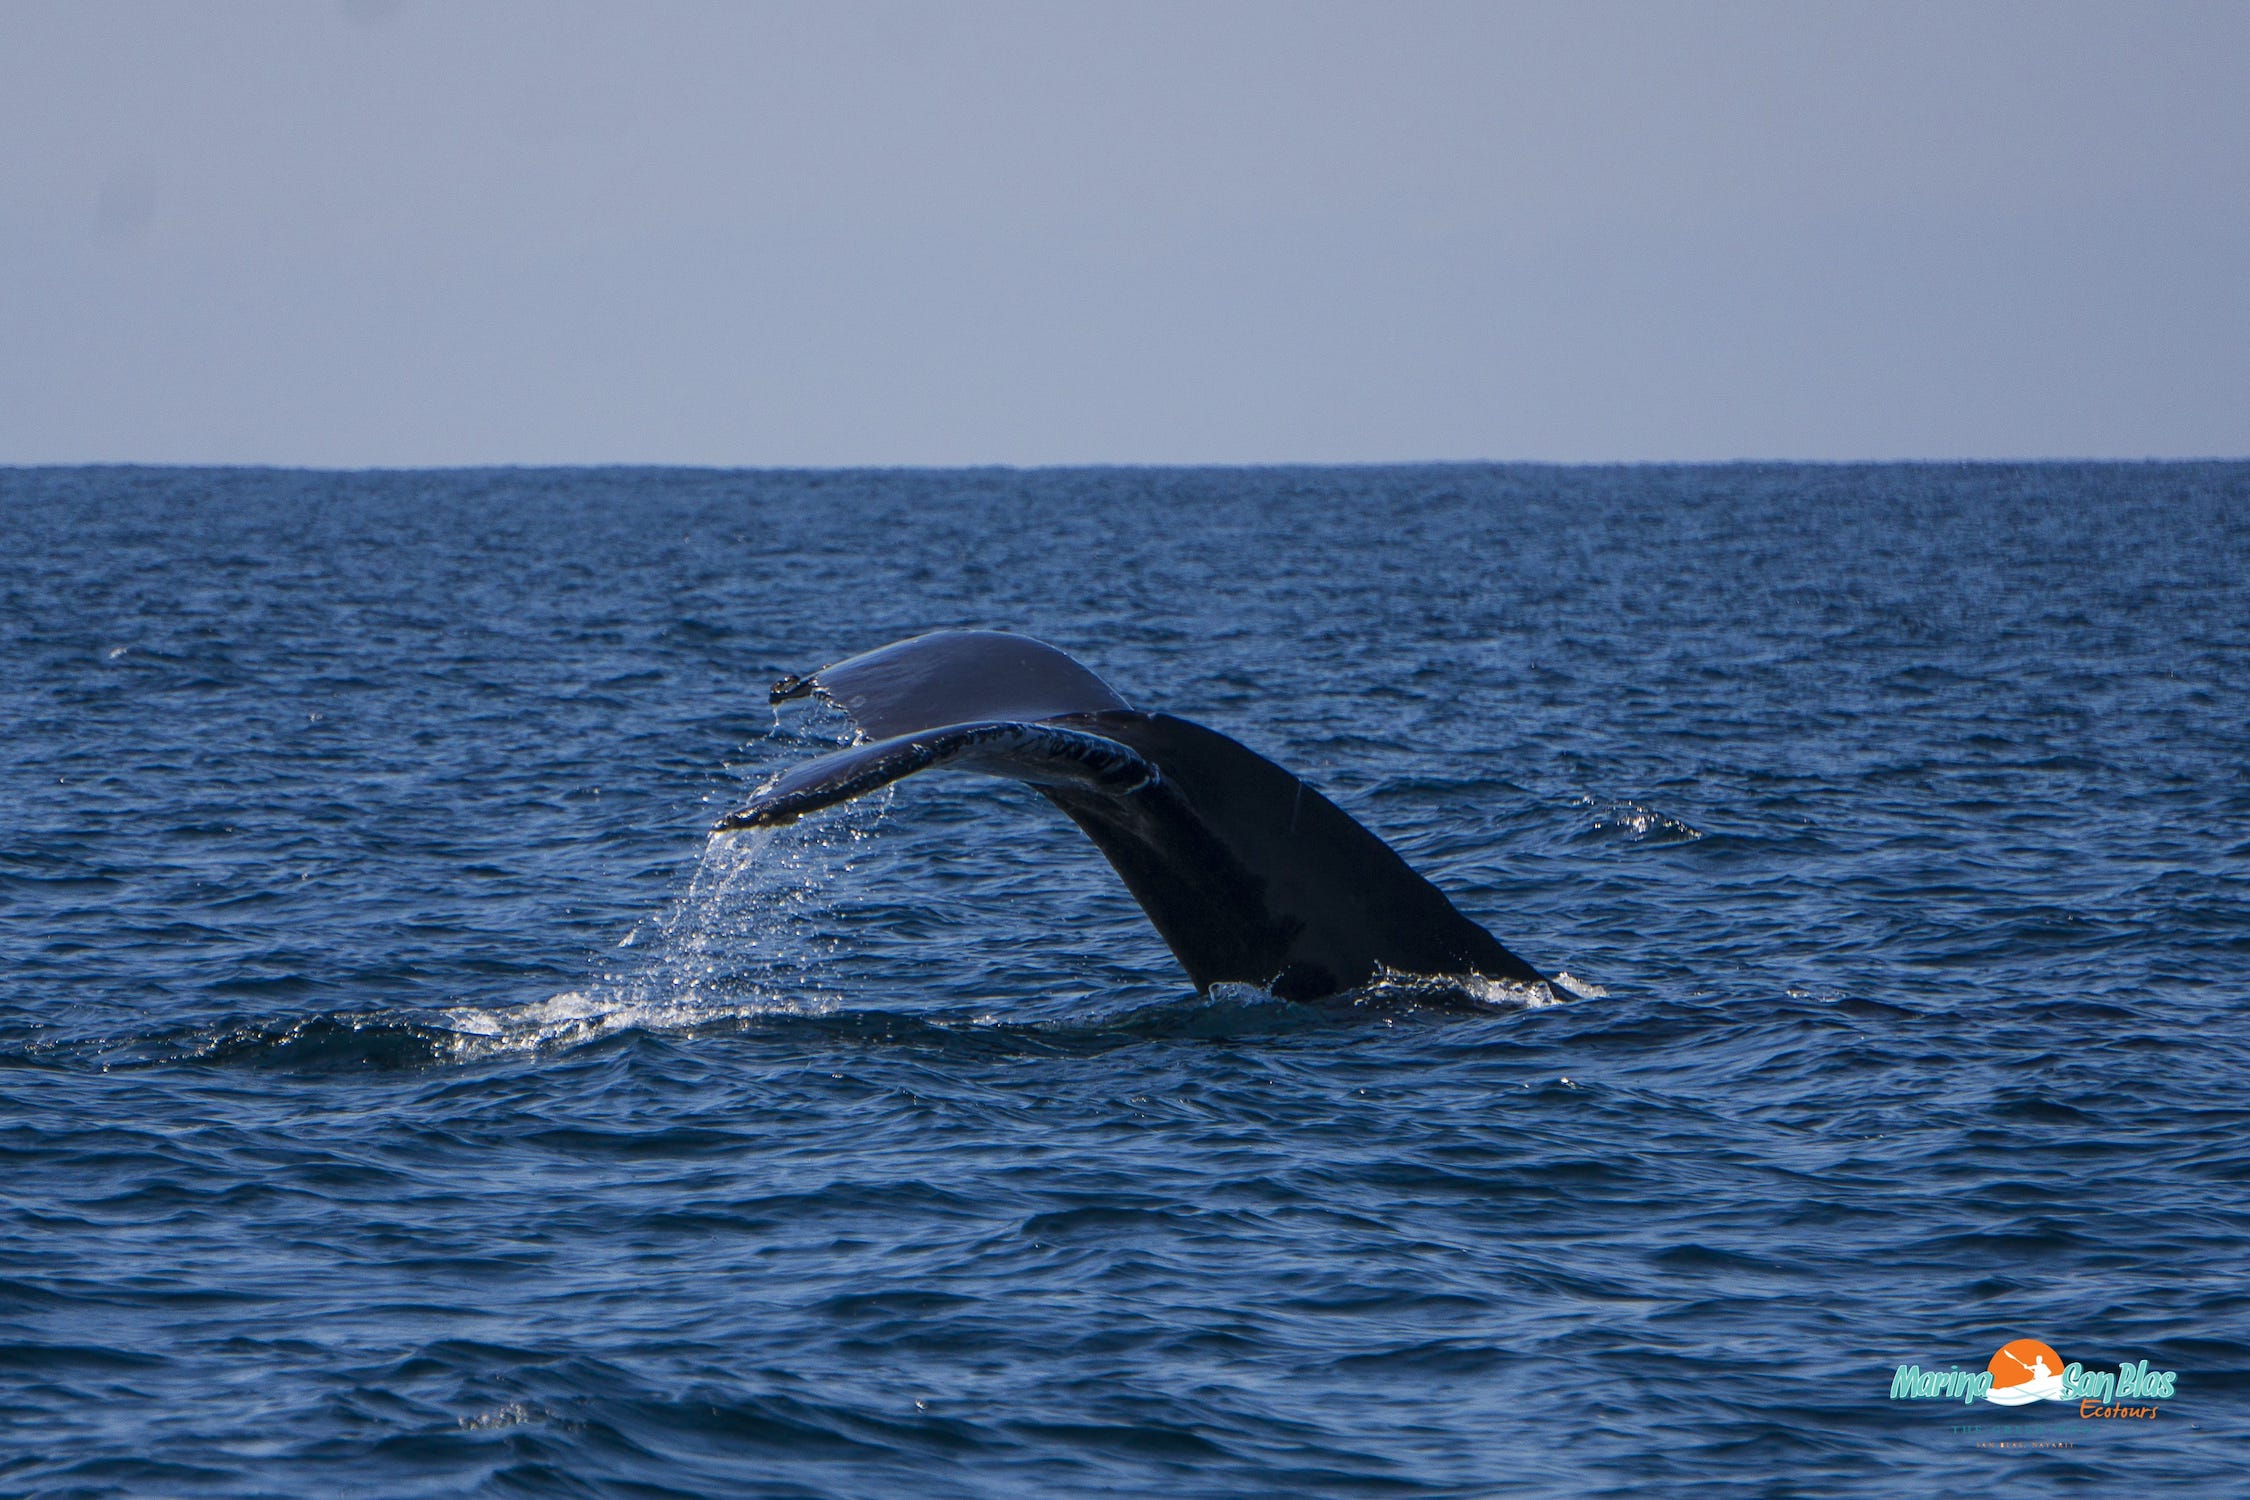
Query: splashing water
[{"x": 750, "y": 936}]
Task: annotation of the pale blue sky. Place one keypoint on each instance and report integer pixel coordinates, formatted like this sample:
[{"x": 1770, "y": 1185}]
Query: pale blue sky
[{"x": 530, "y": 232}]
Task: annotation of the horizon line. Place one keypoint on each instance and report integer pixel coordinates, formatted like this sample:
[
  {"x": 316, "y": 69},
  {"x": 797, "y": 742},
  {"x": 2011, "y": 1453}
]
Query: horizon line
[{"x": 997, "y": 466}]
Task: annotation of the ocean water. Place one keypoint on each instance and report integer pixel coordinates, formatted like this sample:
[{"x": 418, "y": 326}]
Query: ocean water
[{"x": 399, "y": 1096}]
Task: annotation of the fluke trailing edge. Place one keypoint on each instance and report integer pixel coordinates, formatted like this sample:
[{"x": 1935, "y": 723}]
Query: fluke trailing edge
[{"x": 1249, "y": 874}]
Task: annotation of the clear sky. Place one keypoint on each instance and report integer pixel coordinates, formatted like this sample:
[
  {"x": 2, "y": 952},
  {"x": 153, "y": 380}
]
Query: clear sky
[{"x": 389, "y": 232}]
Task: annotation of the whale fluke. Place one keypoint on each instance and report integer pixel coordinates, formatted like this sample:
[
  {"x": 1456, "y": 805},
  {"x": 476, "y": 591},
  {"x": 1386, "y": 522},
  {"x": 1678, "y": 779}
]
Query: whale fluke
[
  {"x": 1249, "y": 875},
  {"x": 953, "y": 677}
]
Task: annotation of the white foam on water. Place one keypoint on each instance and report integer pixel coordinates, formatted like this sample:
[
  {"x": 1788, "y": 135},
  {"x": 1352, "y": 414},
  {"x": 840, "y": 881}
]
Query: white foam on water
[
  {"x": 1499, "y": 994},
  {"x": 1502, "y": 995},
  {"x": 575, "y": 1018},
  {"x": 1637, "y": 824}
]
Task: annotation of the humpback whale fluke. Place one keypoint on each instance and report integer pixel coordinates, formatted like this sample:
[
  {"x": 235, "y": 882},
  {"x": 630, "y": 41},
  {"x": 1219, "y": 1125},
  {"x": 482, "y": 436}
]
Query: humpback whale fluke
[{"x": 1249, "y": 875}]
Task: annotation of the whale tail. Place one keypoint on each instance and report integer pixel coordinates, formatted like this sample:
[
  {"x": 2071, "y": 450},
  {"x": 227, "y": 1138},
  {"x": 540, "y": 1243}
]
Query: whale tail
[{"x": 1248, "y": 874}]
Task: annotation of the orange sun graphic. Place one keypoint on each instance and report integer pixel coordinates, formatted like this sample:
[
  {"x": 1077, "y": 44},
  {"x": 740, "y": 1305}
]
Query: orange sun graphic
[{"x": 2025, "y": 1370}]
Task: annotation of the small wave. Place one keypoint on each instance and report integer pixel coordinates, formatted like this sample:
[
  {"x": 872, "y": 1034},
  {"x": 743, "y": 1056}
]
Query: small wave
[
  {"x": 1227, "y": 1013},
  {"x": 324, "y": 1042},
  {"x": 514, "y": 1414},
  {"x": 1631, "y": 823},
  {"x": 403, "y": 1041},
  {"x": 1238, "y": 1010},
  {"x": 575, "y": 1018}
]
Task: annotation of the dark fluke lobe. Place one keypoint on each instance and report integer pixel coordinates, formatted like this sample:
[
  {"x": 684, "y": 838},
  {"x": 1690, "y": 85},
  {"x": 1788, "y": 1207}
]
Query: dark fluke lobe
[{"x": 1250, "y": 875}]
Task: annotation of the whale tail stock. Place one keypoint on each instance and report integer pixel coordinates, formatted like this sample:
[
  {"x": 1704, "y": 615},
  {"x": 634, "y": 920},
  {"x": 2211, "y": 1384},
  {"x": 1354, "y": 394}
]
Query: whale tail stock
[{"x": 1249, "y": 875}]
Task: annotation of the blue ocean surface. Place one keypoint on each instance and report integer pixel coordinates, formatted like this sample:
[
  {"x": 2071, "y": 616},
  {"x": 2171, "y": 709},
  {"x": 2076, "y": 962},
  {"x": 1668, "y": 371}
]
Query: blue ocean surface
[{"x": 401, "y": 1096}]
